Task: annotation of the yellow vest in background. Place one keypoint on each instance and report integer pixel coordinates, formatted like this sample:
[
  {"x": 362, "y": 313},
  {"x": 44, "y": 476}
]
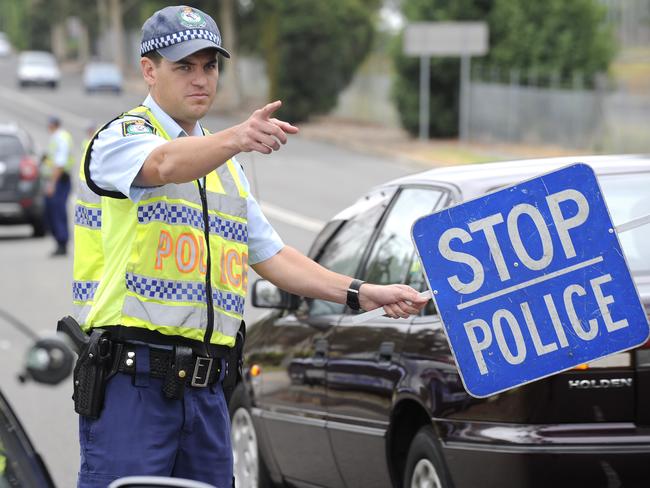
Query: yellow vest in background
[
  {"x": 51, "y": 151},
  {"x": 145, "y": 265}
]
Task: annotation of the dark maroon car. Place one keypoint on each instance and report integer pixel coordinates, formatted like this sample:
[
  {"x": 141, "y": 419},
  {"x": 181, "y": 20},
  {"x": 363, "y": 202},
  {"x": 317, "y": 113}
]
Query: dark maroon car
[{"x": 330, "y": 404}]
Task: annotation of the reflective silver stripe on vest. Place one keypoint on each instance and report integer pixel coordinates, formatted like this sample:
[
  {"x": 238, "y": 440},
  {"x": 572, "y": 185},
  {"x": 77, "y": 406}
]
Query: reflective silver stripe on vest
[
  {"x": 189, "y": 192},
  {"x": 178, "y": 214},
  {"x": 87, "y": 216},
  {"x": 80, "y": 312},
  {"x": 227, "y": 181},
  {"x": 83, "y": 291},
  {"x": 178, "y": 315},
  {"x": 86, "y": 195},
  {"x": 182, "y": 291}
]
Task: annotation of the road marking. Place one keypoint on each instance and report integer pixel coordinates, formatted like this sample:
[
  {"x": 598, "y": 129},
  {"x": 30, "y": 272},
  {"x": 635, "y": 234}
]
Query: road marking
[
  {"x": 528, "y": 283},
  {"x": 292, "y": 218},
  {"x": 44, "y": 108}
]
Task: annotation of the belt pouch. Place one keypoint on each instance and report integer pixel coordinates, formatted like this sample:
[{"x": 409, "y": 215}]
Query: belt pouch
[
  {"x": 90, "y": 375},
  {"x": 178, "y": 373}
]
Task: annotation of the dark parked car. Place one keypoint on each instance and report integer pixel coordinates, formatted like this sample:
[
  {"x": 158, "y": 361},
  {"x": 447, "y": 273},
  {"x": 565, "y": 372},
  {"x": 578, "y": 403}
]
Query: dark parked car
[
  {"x": 20, "y": 464},
  {"x": 21, "y": 193},
  {"x": 326, "y": 403}
]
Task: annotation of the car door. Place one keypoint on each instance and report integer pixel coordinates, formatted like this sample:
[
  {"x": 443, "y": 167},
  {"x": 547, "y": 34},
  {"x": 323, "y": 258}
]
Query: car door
[
  {"x": 293, "y": 356},
  {"x": 363, "y": 366},
  {"x": 20, "y": 464}
]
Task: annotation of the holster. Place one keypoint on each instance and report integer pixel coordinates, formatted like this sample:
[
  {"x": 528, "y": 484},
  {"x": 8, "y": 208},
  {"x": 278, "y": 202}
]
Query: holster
[
  {"x": 173, "y": 384},
  {"x": 91, "y": 374}
]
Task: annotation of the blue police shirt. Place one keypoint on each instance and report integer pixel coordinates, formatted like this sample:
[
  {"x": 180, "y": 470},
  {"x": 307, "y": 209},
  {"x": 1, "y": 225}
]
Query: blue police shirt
[{"x": 116, "y": 160}]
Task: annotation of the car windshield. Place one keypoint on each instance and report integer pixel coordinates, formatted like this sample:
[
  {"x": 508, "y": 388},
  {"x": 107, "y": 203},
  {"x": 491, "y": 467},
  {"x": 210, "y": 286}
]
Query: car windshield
[
  {"x": 628, "y": 198},
  {"x": 35, "y": 58},
  {"x": 10, "y": 145}
]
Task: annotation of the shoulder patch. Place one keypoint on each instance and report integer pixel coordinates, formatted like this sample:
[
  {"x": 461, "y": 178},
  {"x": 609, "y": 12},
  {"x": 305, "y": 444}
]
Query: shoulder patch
[{"x": 136, "y": 128}]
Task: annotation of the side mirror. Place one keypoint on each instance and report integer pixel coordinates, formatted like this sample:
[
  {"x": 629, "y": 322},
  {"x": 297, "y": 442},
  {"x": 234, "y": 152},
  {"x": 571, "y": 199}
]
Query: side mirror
[
  {"x": 157, "y": 482},
  {"x": 267, "y": 295},
  {"x": 49, "y": 360}
]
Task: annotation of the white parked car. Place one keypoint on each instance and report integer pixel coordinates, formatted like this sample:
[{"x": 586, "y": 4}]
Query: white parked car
[
  {"x": 100, "y": 76},
  {"x": 5, "y": 45},
  {"x": 38, "y": 68}
]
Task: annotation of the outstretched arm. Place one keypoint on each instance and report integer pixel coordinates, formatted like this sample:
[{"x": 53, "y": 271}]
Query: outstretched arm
[
  {"x": 188, "y": 158},
  {"x": 294, "y": 272}
]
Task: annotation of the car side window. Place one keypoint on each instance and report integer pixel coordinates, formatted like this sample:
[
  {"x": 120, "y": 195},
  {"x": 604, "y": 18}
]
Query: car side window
[
  {"x": 392, "y": 254},
  {"x": 344, "y": 251}
]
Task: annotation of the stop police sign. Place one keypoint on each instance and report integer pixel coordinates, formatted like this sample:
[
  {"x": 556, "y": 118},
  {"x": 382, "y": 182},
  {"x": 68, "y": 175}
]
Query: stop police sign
[{"x": 530, "y": 280}]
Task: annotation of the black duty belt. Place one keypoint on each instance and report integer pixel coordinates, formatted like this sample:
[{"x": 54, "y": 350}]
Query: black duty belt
[{"x": 196, "y": 370}]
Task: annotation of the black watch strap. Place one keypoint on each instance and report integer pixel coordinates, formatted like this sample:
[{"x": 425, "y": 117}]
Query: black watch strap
[{"x": 353, "y": 295}]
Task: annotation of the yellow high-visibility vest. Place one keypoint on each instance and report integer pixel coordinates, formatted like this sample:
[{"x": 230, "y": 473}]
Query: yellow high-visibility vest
[
  {"x": 52, "y": 149},
  {"x": 144, "y": 266}
]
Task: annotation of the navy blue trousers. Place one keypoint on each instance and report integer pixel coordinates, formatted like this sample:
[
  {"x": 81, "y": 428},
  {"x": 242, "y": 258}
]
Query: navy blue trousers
[
  {"x": 141, "y": 432},
  {"x": 56, "y": 212}
]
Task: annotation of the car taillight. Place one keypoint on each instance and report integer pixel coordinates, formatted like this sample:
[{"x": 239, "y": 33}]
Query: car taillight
[{"x": 28, "y": 169}]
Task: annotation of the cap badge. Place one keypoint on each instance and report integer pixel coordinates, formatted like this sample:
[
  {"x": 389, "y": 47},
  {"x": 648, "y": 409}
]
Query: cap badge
[{"x": 189, "y": 17}]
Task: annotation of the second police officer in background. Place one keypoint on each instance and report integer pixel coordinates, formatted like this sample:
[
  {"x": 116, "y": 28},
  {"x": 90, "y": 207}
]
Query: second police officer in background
[
  {"x": 58, "y": 161},
  {"x": 165, "y": 228}
]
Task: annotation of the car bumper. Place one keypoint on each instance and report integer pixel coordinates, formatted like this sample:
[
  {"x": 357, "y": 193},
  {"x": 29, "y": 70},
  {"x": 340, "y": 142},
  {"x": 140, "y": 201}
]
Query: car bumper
[
  {"x": 15, "y": 213},
  {"x": 507, "y": 455}
]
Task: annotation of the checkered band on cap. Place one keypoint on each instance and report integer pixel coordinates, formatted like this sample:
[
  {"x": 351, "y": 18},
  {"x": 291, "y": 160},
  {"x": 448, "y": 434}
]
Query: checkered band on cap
[{"x": 177, "y": 37}]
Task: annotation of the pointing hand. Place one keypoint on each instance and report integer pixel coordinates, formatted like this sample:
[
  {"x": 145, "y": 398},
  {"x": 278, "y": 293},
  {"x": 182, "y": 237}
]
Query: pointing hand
[{"x": 261, "y": 132}]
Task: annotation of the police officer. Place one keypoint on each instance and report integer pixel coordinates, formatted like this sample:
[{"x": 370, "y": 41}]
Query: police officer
[
  {"x": 165, "y": 229},
  {"x": 58, "y": 164}
]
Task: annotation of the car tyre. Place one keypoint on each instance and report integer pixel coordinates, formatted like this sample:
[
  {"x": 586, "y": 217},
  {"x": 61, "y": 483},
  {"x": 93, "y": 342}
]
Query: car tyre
[
  {"x": 39, "y": 229},
  {"x": 425, "y": 467},
  {"x": 249, "y": 468},
  {"x": 53, "y": 84}
]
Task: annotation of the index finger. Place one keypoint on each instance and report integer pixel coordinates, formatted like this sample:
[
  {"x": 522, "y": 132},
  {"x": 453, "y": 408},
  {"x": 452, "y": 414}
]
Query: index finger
[{"x": 269, "y": 108}]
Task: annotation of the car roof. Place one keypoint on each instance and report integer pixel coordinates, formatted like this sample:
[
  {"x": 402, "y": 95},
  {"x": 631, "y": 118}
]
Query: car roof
[
  {"x": 36, "y": 55},
  {"x": 101, "y": 65},
  {"x": 474, "y": 180},
  {"x": 477, "y": 179},
  {"x": 11, "y": 129}
]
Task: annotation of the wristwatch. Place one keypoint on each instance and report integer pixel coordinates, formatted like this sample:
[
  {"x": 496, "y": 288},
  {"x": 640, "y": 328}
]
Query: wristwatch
[{"x": 353, "y": 294}]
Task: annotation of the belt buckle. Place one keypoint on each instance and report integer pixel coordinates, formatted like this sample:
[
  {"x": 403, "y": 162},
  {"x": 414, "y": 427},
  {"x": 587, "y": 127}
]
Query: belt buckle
[{"x": 202, "y": 369}]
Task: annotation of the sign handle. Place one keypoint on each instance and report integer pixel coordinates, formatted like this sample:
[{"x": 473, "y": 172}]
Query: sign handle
[
  {"x": 633, "y": 224},
  {"x": 378, "y": 312}
]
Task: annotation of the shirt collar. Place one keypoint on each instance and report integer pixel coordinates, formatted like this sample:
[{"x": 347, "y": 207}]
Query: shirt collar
[{"x": 171, "y": 127}]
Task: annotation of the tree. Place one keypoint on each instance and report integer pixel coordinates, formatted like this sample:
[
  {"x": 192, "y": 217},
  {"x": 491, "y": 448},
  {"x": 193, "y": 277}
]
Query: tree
[
  {"x": 311, "y": 48},
  {"x": 554, "y": 38}
]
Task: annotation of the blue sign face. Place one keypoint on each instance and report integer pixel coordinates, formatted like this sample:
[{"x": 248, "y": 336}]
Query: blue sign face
[{"x": 530, "y": 280}]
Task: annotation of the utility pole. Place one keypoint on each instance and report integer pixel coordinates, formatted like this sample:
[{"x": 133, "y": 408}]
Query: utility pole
[
  {"x": 230, "y": 89},
  {"x": 117, "y": 32}
]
